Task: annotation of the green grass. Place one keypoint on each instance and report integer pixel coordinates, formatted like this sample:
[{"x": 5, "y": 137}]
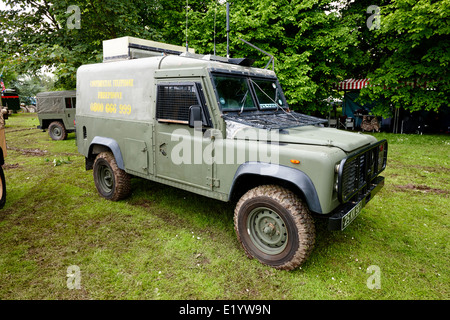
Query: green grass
[{"x": 163, "y": 243}]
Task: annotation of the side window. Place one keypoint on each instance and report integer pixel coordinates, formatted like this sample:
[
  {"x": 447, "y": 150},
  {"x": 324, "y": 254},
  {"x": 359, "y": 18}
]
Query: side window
[
  {"x": 174, "y": 99},
  {"x": 70, "y": 103}
]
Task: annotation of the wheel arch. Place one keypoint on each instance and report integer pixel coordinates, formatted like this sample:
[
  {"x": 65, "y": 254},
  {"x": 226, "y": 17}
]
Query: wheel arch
[
  {"x": 252, "y": 174},
  {"x": 100, "y": 144},
  {"x": 46, "y": 123}
]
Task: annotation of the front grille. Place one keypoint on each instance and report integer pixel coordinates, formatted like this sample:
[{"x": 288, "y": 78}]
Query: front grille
[{"x": 358, "y": 170}]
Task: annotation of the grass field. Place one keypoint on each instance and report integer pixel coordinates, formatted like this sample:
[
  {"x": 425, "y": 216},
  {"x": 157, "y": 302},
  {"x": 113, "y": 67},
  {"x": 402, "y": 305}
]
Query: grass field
[{"x": 163, "y": 243}]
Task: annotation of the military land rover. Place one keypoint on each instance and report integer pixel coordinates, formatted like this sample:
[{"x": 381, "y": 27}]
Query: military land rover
[
  {"x": 56, "y": 112},
  {"x": 220, "y": 128}
]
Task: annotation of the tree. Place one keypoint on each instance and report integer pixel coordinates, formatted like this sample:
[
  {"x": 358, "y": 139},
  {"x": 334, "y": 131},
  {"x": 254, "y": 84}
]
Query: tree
[
  {"x": 316, "y": 43},
  {"x": 28, "y": 86},
  {"x": 412, "y": 55},
  {"x": 307, "y": 38},
  {"x": 46, "y": 33}
]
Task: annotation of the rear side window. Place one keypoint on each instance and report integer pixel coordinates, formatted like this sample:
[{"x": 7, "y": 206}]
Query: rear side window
[
  {"x": 174, "y": 99},
  {"x": 70, "y": 102}
]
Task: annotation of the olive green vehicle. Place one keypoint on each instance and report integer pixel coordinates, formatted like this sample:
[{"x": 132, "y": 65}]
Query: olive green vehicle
[
  {"x": 56, "y": 112},
  {"x": 220, "y": 128}
]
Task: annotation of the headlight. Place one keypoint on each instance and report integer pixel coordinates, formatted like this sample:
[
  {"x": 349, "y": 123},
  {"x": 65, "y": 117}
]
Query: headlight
[{"x": 336, "y": 167}]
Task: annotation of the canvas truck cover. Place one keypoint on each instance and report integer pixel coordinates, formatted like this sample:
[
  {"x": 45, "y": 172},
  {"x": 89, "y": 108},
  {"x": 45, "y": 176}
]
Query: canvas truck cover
[{"x": 53, "y": 101}]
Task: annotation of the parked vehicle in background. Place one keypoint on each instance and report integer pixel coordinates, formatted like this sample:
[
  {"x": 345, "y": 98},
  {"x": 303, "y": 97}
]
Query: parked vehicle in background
[
  {"x": 10, "y": 102},
  {"x": 56, "y": 112}
]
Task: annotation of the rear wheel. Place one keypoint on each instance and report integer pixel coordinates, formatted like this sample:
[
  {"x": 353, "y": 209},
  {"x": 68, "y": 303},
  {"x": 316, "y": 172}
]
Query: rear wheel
[
  {"x": 57, "y": 131},
  {"x": 111, "y": 182},
  {"x": 274, "y": 226}
]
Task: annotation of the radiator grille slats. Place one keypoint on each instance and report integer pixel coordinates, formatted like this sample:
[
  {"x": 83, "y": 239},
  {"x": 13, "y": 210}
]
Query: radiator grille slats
[{"x": 359, "y": 169}]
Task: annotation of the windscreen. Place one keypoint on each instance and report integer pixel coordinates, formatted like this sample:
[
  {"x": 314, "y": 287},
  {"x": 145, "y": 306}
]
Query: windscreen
[
  {"x": 234, "y": 93},
  {"x": 241, "y": 93},
  {"x": 268, "y": 93}
]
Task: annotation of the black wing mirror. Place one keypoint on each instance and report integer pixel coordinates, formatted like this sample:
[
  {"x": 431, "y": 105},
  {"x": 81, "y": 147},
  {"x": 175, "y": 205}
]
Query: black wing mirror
[{"x": 195, "y": 115}]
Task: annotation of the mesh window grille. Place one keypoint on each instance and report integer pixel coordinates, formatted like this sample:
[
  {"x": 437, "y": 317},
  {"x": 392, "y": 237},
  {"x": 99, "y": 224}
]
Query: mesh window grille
[{"x": 173, "y": 102}]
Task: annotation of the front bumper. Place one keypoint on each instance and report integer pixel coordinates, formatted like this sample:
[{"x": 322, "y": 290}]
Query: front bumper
[{"x": 343, "y": 215}]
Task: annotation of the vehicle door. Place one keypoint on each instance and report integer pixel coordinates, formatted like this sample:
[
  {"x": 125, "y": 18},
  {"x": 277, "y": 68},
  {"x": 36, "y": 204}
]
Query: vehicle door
[
  {"x": 69, "y": 112},
  {"x": 179, "y": 148}
]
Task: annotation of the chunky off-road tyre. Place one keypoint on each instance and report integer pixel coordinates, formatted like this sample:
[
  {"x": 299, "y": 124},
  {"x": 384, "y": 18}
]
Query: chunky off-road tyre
[
  {"x": 57, "y": 131},
  {"x": 111, "y": 182},
  {"x": 274, "y": 226},
  {"x": 2, "y": 188}
]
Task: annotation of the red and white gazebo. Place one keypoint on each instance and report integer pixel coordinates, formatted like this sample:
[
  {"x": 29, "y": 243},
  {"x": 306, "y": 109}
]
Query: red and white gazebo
[
  {"x": 358, "y": 84},
  {"x": 352, "y": 84}
]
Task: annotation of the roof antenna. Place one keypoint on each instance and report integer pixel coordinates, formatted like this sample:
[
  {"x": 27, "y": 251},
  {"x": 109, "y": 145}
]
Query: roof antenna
[
  {"x": 228, "y": 30},
  {"x": 215, "y": 12},
  {"x": 272, "y": 59},
  {"x": 187, "y": 4}
]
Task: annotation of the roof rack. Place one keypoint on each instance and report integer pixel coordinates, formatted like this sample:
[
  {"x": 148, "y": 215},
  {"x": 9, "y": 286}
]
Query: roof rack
[{"x": 127, "y": 48}]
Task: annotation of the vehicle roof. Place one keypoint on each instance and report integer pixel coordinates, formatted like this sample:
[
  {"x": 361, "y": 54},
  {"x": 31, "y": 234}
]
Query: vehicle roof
[
  {"x": 172, "y": 62},
  {"x": 56, "y": 94}
]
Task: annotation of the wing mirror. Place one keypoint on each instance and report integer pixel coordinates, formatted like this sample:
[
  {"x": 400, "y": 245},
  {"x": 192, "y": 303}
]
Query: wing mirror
[{"x": 195, "y": 115}]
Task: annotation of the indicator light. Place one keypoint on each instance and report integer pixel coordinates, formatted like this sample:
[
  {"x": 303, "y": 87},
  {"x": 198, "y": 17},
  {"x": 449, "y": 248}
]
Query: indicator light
[{"x": 295, "y": 161}]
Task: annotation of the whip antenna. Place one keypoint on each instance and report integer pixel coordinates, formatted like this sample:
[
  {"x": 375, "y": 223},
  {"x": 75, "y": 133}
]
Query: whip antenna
[
  {"x": 187, "y": 4},
  {"x": 228, "y": 30},
  {"x": 215, "y": 12}
]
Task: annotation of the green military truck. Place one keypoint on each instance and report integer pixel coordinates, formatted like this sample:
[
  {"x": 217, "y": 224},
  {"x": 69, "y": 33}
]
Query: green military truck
[
  {"x": 220, "y": 128},
  {"x": 56, "y": 112}
]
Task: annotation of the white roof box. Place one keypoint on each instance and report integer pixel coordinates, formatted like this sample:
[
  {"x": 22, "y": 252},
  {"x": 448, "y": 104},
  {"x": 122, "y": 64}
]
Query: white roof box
[{"x": 126, "y": 48}]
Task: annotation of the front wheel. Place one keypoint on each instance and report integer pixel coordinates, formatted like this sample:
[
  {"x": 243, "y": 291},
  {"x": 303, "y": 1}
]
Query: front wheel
[
  {"x": 274, "y": 226},
  {"x": 111, "y": 182}
]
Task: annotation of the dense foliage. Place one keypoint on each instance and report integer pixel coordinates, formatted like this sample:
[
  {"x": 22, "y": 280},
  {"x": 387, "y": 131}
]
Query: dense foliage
[{"x": 316, "y": 43}]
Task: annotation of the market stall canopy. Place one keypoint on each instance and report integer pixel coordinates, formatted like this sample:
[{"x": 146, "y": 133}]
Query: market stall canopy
[
  {"x": 352, "y": 84},
  {"x": 357, "y": 84}
]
